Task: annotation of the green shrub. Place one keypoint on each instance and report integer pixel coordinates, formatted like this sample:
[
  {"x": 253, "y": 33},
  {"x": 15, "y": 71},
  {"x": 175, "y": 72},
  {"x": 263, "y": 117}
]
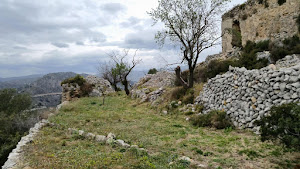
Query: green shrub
[
  {"x": 291, "y": 46},
  {"x": 216, "y": 119},
  {"x": 263, "y": 45},
  {"x": 283, "y": 124},
  {"x": 280, "y": 2},
  {"x": 236, "y": 38},
  {"x": 77, "y": 79},
  {"x": 152, "y": 71},
  {"x": 12, "y": 106},
  {"x": 278, "y": 53}
]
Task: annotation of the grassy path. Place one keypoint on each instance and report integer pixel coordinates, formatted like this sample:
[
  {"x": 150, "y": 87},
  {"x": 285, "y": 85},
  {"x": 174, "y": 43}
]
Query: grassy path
[{"x": 166, "y": 137}]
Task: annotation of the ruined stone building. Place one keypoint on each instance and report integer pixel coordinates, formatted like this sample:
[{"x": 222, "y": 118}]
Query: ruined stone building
[{"x": 258, "y": 20}]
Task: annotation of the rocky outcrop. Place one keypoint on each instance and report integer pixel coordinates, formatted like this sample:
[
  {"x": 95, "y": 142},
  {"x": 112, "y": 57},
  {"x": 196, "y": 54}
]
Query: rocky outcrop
[
  {"x": 160, "y": 79},
  {"x": 248, "y": 95},
  {"x": 152, "y": 86},
  {"x": 260, "y": 20},
  {"x": 99, "y": 86}
]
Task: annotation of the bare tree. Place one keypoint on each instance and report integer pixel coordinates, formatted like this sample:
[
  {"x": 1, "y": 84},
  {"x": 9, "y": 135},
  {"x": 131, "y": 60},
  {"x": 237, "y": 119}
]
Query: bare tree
[
  {"x": 106, "y": 70},
  {"x": 122, "y": 67},
  {"x": 192, "y": 24}
]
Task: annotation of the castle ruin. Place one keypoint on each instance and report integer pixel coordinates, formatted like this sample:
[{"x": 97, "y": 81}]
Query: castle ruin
[{"x": 258, "y": 20}]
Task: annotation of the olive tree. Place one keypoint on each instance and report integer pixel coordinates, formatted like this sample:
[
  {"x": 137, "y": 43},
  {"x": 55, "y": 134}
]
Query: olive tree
[
  {"x": 193, "y": 24},
  {"x": 107, "y": 72},
  {"x": 123, "y": 67}
]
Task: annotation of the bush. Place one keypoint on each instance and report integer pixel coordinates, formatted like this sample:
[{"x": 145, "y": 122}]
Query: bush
[
  {"x": 177, "y": 93},
  {"x": 13, "y": 120},
  {"x": 86, "y": 89},
  {"x": 236, "y": 38},
  {"x": 77, "y": 79},
  {"x": 188, "y": 99},
  {"x": 291, "y": 46},
  {"x": 283, "y": 124},
  {"x": 152, "y": 71},
  {"x": 280, "y": 2},
  {"x": 216, "y": 119}
]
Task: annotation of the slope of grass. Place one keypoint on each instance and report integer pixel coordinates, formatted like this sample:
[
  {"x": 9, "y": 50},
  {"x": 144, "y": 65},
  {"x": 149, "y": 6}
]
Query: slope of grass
[{"x": 166, "y": 137}]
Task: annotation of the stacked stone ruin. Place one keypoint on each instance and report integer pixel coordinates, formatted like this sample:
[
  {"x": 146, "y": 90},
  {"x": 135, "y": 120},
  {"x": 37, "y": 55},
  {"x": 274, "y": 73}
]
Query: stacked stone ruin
[{"x": 248, "y": 95}]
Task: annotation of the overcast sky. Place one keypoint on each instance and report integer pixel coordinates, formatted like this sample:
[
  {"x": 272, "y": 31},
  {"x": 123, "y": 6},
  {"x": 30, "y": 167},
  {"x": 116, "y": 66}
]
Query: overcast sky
[{"x": 39, "y": 37}]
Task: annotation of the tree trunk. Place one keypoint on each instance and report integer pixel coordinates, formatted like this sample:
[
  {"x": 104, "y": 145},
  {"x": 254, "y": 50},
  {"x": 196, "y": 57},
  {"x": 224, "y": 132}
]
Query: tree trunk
[
  {"x": 125, "y": 83},
  {"x": 115, "y": 87},
  {"x": 178, "y": 75},
  {"x": 191, "y": 78}
]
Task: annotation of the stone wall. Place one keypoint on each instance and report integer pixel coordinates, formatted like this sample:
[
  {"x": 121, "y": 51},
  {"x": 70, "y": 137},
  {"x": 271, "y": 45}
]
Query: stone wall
[
  {"x": 248, "y": 95},
  {"x": 259, "y": 22}
]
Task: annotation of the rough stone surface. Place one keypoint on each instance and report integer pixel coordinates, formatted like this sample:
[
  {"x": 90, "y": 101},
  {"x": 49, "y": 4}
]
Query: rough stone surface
[
  {"x": 99, "y": 84},
  {"x": 152, "y": 86},
  {"x": 258, "y": 22},
  {"x": 72, "y": 91},
  {"x": 100, "y": 138},
  {"x": 248, "y": 95}
]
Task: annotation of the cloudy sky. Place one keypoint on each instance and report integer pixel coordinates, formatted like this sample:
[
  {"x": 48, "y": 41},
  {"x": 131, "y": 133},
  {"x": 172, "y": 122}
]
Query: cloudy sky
[{"x": 39, "y": 37}]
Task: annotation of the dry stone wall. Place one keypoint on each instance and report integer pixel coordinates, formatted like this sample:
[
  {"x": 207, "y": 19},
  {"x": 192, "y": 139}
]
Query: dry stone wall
[
  {"x": 248, "y": 95},
  {"x": 257, "y": 22}
]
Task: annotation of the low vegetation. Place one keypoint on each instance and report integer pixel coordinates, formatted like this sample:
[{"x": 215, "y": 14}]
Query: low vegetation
[
  {"x": 248, "y": 59},
  {"x": 77, "y": 79},
  {"x": 216, "y": 119},
  {"x": 165, "y": 137},
  {"x": 14, "y": 122},
  {"x": 152, "y": 71},
  {"x": 282, "y": 125}
]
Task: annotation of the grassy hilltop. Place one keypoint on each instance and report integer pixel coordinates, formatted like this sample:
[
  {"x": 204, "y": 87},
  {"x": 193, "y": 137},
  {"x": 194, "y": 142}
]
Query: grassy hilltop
[{"x": 165, "y": 137}]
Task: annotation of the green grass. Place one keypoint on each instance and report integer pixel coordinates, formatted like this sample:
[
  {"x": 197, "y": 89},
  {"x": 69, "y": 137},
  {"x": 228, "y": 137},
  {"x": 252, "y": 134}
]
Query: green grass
[{"x": 166, "y": 137}]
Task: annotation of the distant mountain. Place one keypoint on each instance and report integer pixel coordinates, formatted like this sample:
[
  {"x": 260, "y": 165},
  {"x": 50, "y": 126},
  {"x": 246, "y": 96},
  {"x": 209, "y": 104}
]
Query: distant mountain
[
  {"x": 36, "y": 76},
  {"x": 49, "y": 83},
  {"x": 18, "y": 82}
]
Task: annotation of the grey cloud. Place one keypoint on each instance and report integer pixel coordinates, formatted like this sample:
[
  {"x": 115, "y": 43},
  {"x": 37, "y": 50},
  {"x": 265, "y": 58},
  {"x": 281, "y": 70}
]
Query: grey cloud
[
  {"x": 80, "y": 43},
  {"x": 113, "y": 8},
  {"x": 132, "y": 21},
  {"x": 60, "y": 45}
]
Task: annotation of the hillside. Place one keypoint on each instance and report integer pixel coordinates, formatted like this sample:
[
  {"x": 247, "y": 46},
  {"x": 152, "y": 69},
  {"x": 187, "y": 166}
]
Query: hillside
[
  {"x": 18, "y": 82},
  {"x": 164, "y": 139}
]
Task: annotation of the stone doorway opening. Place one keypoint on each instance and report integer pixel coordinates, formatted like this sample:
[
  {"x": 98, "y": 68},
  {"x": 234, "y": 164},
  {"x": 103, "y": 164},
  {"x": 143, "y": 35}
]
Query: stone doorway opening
[{"x": 236, "y": 34}]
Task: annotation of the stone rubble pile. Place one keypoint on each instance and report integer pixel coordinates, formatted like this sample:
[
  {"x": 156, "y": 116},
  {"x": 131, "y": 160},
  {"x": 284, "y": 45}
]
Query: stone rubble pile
[
  {"x": 288, "y": 61},
  {"x": 248, "y": 95}
]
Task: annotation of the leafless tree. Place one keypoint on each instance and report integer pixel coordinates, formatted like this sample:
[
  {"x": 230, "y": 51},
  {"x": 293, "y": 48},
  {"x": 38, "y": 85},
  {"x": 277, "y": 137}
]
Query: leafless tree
[
  {"x": 192, "y": 24},
  {"x": 123, "y": 67}
]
